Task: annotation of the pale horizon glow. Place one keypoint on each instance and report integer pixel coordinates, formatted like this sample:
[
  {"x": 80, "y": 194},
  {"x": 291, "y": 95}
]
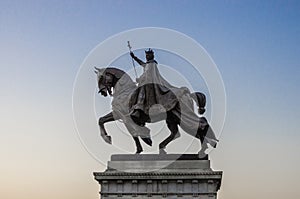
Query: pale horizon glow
[{"x": 255, "y": 45}]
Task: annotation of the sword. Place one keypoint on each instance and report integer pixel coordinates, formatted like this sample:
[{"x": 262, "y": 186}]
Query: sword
[{"x": 128, "y": 44}]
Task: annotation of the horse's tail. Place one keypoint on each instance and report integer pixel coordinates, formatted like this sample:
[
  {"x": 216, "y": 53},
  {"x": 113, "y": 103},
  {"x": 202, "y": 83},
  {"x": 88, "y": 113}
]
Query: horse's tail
[{"x": 200, "y": 99}]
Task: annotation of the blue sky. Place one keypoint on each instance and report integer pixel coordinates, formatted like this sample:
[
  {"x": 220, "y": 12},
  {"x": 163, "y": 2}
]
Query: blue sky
[{"x": 255, "y": 45}]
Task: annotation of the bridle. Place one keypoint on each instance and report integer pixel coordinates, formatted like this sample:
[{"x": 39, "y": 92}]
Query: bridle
[{"x": 105, "y": 83}]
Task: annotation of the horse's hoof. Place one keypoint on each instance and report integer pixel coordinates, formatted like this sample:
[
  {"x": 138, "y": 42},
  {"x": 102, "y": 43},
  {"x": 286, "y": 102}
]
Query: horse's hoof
[
  {"x": 147, "y": 141},
  {"x": 138, "y": 151},
  {"x": 162, "y": 152},
  {"x": 202, "y": 155},
  {"x": 107, "y": 138}
]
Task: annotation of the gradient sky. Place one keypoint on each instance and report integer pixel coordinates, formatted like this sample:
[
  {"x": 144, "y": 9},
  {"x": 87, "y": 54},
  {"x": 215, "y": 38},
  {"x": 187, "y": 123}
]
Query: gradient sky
[{"x": 254, "y": 44}]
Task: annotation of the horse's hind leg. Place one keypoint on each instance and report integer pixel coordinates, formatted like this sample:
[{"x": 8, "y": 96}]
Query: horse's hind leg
[
  {"x": 138, "y": 145},
  {"x": 204, "y": 146},
  {"x": 202, "y": 132}
]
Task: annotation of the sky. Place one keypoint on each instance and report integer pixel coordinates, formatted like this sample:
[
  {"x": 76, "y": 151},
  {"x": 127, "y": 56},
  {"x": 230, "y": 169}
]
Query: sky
[{"x": 254, "y": 44}]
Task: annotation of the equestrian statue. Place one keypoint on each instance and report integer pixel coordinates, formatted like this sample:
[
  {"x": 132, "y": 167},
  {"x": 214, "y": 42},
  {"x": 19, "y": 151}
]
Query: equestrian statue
[{"x": 151, "y": 99}]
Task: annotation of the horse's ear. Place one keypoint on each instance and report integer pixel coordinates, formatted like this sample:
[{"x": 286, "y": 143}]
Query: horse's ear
[
  {"x": 98, "y": 69},
  {"x": 96, "y": 72}
]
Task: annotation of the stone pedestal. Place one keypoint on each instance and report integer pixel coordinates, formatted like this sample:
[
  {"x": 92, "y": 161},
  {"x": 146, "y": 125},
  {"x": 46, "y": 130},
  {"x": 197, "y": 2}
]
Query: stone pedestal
[{"x": 159, "y": 176}]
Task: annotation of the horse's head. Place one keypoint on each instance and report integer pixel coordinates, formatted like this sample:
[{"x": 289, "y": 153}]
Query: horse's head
[{"x": 107, "y": 79}]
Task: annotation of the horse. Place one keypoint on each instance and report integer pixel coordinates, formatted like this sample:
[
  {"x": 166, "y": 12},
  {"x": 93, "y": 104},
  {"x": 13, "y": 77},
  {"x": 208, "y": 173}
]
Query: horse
[{"x": 116, "y": 83}]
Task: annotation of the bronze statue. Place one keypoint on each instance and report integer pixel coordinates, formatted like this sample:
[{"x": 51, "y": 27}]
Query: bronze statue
[{"x": 133, "y": 104}]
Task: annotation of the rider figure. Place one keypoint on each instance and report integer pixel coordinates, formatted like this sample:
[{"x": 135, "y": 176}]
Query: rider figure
[
  {"x": 152, "y": 89},
  {"x": 149, "y": 60}
]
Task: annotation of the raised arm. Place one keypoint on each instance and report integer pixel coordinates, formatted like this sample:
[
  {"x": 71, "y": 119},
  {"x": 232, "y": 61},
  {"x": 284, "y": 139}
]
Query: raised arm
[{"x": 140, "y": 62}]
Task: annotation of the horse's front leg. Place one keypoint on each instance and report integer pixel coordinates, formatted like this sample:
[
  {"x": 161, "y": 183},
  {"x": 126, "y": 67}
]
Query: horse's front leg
[{"x": 102, "y": 120}]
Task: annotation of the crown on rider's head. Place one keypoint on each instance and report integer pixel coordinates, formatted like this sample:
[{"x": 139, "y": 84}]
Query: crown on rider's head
[{"x": 149, "y": 51}]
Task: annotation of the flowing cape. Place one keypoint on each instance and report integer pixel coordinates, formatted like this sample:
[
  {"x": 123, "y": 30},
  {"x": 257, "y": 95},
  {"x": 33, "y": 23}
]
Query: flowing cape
[{"x": 153, "y": 89}]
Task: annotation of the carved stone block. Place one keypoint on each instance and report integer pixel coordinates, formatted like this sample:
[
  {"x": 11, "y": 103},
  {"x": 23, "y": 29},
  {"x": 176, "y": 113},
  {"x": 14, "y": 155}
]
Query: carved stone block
[{"x": 154, "y": 176}]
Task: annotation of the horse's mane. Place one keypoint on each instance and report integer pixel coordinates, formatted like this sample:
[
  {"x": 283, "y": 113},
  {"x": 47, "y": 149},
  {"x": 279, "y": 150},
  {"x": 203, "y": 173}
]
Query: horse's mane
[{"x": 118, "y": 73}]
